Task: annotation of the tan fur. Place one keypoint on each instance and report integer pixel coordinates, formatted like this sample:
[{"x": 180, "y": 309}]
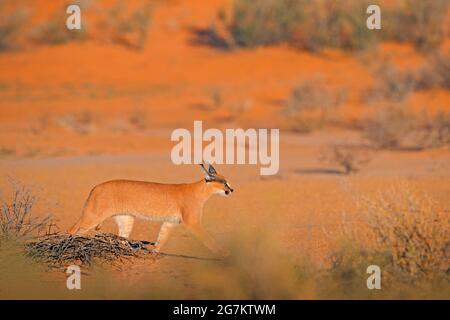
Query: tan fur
[{"x": 171, "y": 204}]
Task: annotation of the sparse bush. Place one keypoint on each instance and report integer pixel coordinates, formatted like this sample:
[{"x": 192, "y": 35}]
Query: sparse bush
[
  {"x": 54, "y": 31},
  {"x": 348, "y": 158},
  {"x": 391, "y": 83},
  {"x": 416, "y": 21},
  {"x": 389, "y": 128},
  {"x": 315, "y": 24},
  {"x": 310, "y": 25},
  {"x": 129, "y": 29},
  {"x": 5, "y": 151},
  {"x": 441, "y": 65},
  {"x": 216, "y": 99},
  {"x": 139, "y": 119},
  {"x": 80, "y": 122},
  {"x": 11, "y": 25},
  {"x": 309, "y": 105},
  {"x": 237, "y": 108},
  {"x": 120, "y": 25},
  {"x": 264, "y": 22},
  {"x": 433, "y": 131},
  {"x": 395, "y": 127},
  {"x": 17, "y": 219},
  {"x": 339, "y": 24},
  {"x": 436, "y": 74}
]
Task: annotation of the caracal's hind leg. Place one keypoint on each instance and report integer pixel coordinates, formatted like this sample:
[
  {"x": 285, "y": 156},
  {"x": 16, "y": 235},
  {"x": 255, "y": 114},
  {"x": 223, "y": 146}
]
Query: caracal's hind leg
[
  {"x": 163, "y": 235},
  {"x": 125, "y": 224},
  {"x": 90, "y": 218}
]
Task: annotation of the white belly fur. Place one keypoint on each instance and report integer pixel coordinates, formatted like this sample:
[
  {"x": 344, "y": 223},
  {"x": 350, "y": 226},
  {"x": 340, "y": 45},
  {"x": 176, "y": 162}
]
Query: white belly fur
[{"x": 171, "y": 218}]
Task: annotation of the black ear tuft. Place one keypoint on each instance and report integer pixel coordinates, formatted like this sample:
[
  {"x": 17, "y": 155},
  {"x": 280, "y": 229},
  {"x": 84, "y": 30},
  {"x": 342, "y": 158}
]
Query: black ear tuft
[{"x": 203, "y": 167}]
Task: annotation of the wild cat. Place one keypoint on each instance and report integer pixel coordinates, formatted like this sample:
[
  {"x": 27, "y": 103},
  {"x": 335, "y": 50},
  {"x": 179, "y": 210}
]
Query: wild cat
[{"x": 173, "y": 204}]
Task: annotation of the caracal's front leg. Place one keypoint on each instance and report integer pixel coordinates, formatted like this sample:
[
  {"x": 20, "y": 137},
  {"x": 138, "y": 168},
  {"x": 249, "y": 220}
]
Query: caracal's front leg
[{"x": 207, "y": 240}]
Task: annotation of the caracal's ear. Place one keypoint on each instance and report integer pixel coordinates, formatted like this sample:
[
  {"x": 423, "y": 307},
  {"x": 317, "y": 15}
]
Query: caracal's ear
[
  {"x": 210, "y": 172},
  {"x": 208, "y": 176}
]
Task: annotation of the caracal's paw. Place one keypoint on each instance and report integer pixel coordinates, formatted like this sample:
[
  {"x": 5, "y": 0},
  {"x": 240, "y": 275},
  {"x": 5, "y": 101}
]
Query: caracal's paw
[{"x": 157, "y": 250}]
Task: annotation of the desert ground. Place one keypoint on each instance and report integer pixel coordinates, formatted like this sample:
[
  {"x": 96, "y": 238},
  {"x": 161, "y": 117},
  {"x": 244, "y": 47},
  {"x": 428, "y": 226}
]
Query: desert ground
[{"x": 76, "y": 114}]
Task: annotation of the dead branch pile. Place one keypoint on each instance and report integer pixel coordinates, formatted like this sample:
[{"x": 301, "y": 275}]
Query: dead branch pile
[{"x": 58, "y": 250}]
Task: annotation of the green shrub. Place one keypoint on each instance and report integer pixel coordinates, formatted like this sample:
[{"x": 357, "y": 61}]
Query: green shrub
[
  {"x": 315, "y": 24},
  {"x": 264, "y": 22},
  {"x": 338, "y": 24},
  {"x": 309, "y": 25}
]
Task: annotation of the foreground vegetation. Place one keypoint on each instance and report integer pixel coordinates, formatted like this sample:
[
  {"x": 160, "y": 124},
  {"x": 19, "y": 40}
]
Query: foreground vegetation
[{"x": 402, "y": 230}]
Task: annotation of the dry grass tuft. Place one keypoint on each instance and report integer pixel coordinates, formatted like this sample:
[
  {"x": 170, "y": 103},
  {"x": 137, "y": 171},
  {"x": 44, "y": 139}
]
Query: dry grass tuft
[
  {"x": 411, "y": 229},
  {"x": 406, "y": 234}
]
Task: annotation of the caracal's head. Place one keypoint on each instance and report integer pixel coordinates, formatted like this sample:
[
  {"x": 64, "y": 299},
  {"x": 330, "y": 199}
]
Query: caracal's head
[{"x": 216, "y": 183}]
